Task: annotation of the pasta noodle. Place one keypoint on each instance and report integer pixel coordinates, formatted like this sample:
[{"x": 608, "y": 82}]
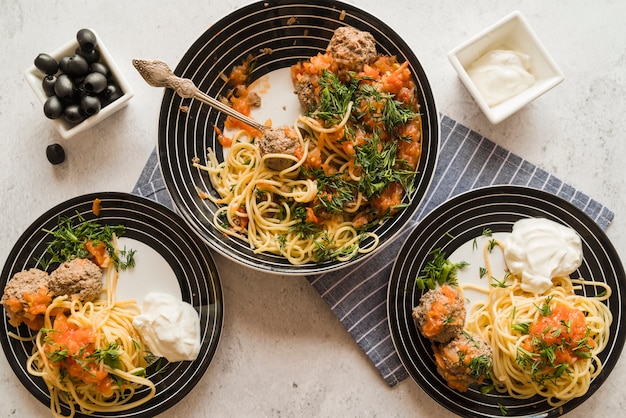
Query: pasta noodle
[
  {"x": 545, "y": 344},
  {"x": 90, "y": 355},
  {"x": 266, "y": 200},
  {"x": 348, "y": 173}
]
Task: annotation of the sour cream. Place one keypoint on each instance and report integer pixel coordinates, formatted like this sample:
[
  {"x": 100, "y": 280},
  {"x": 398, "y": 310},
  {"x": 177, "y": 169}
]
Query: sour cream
[
  {"x": 169, "y": 326},
  {"x": 500, "y": 74},
  {"x": 539, "y": 249}
]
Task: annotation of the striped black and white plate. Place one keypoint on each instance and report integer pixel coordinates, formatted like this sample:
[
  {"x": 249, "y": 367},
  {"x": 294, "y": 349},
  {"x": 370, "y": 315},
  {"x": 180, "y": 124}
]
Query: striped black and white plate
[
  {"x": 459, "y": 221},
  {"x": 170, "y": 258},
  {"x": 279, "y": 33}
]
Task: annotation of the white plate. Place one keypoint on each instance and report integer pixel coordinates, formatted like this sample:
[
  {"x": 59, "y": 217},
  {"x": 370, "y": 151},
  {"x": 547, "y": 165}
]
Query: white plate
[{"x": 170, "y": 258}]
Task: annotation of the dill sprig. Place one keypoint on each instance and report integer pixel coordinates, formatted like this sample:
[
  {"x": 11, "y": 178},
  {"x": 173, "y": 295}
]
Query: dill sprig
[
  {"x": 109, "y": 355},
  {"x": 333, "y": 190},
  {"x": 380, "y": 167},
  {"x": 335, "y": 97},
  {"x": 394, "y": 112},
  {"x": 325, "y": 252},
  {"x": 69, "y": 241},
  {"x": 438, "y": 271},
  {"x": 304, "y": 228}
]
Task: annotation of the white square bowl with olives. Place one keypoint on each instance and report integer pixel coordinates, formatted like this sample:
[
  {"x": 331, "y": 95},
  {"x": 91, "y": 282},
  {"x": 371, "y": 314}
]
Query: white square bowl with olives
[{"x": 79, "y": 85}]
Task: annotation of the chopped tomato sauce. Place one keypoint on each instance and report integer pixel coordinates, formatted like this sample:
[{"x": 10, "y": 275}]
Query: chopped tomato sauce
[
  {"x": 99, "y": 253},
  {"x": 359, "y": 221},
  {"x": 391, "y": 196},
  {"x": 221, "y": 138},
  {"x": 69, "y": 347},
  {"x": 38, "y": 302},
  {"x": 410, "y": 146},
  {"x": 298, "y": 153},
  {"x": 239, "y": 74},
  {"x": 454, "y": 381},
  {"x": 314, "y": 159},
  {"x": 310, "y": 216},
  {"x": 566, "y": 330},
  {"x": 438, "y": 312},
  {"x": 315, "y": 65},
  {"x": 241, "y": 105},
  {"x": 95, "y": 206},
  {"x": 32, "y": 312}
]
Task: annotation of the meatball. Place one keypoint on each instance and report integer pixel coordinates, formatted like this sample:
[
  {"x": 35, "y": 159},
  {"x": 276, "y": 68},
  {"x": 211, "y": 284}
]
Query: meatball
[
  {"x": 305, "y": 91},
  {"x": 440, "y": 314},
  {"x": 78, "y": 277},
  {"x": 27, "y": 284},
  {"x": 352, "y": 48},
  {"x": 463, "y": 361},
  {"x": 278, "y": 141}
]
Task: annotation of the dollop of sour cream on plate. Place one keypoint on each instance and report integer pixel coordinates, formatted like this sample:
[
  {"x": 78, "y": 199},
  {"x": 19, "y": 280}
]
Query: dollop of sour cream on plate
[
  {"x": 500, "y": 74},
  {"x": 539, "y": 249},
  {"x": 169, "y": 326}
]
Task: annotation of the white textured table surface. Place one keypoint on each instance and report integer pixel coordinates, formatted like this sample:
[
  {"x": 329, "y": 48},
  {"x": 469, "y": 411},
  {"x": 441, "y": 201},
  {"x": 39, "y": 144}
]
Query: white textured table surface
[{"x": 283, "y": 352}]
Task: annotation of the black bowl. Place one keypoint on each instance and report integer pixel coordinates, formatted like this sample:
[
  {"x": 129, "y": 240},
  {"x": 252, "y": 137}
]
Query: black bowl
[
  {"x": 460, "y": 220},
  {"x": 172, "y": 243},
  {"x": 294, "y": 32}
]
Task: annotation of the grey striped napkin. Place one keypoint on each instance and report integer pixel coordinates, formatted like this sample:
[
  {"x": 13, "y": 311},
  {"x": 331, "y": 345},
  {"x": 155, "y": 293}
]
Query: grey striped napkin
[{"x": 358, "y": 295}]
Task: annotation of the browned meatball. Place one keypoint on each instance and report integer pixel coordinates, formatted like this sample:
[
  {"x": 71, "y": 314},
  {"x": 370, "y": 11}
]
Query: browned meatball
[
  {"x": 463, "y": 361},
  {"x": 305, "y": 91},
  {"x": 78, "y": 277},
  {"x": 352, "y": 48},
  {"x": 22, "y": 284},
  {"x": 278, "y": 141},
  {"x": 440, "y": 314}
]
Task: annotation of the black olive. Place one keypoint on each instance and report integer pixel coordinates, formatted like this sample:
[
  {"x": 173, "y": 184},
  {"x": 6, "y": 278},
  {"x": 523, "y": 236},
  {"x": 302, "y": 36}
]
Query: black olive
[
  {"x": 80, "y": 87},
  {"x": 84, "y": 85},
  {"x": 47, "y": 64},
  {"x": 53, "y": 107},
  {"x": 48, "y": 85},
  {"x": 91, "y": 56},
  {"x": 64, "y": 87},
  {"x": 73, "y": 114},
  {"x": 110, "y": 94},
  {"x": 63, "y": 63},
  {"x": 98, "y": 67},
  {"x": 77, "y": 66},
  {"x": 86, "y": 39},
  {"x": 55, "y": 153},
  {"x": 95, "y": 82},
  {"x": 90, "y": 105}
]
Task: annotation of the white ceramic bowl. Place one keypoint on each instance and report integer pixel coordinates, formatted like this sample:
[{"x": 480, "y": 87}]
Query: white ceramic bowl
[
  {"x": 34, "y": 77},
  {"x": 512, "y": 32}
]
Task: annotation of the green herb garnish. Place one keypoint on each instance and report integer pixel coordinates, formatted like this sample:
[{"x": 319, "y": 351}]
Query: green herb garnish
[
  {"x": 69, "y": 241},
  {"x": 438, "y": 271},
  {"x": 335, "y": 97},
  {"x": 109, "y": 355},
  {"x": 500, "y": 283},
  {"x": 523, "y": 327},
  {"x": 545, "y": 309},
  {"x": 380, "y": 167}
]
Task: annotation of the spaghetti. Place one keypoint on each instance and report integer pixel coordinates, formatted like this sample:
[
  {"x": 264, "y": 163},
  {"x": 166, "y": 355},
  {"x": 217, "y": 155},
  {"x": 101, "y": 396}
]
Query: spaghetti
[
  {"x": 355, "y": 160},
  {"x": 543, "y": 344},
  {"x": 90, "y": 356},
  {"x": 264, "y": 207}
]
